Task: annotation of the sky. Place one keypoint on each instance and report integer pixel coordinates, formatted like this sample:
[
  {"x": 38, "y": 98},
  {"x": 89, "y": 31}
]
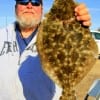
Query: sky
[{"x": 7, "y": 14}]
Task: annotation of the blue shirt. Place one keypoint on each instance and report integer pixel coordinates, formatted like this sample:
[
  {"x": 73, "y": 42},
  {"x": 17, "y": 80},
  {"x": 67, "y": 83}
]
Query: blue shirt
[{"x": 36, "y": 84}]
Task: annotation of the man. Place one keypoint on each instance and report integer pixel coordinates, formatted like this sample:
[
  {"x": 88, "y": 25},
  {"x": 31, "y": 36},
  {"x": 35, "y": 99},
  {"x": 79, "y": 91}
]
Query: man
[{"x": 21, "y": 75}]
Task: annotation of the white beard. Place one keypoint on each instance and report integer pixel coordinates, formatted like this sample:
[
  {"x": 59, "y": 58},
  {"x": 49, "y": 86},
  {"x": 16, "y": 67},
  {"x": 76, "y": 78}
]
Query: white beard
[{"x": 27, "y": 22}]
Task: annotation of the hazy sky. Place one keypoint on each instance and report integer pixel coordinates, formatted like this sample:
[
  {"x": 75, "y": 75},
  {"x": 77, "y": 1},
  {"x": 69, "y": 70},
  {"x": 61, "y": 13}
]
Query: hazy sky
[{"x": 7, "y": 14}]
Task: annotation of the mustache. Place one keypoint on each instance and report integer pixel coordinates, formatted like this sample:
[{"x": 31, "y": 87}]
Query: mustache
[{"x": 29, "y": 11}]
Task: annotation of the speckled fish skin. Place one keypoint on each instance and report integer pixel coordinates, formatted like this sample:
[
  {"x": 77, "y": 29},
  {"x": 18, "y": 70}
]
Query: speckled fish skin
[{"x": 66, "y": 47}]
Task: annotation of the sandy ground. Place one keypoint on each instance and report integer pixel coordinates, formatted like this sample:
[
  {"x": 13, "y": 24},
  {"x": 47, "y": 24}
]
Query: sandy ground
[{"x": 83, "y": 87}]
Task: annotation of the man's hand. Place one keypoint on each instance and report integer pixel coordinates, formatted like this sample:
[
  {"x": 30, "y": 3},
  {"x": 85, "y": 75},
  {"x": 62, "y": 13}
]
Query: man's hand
[{"x": 82, "y": 14}]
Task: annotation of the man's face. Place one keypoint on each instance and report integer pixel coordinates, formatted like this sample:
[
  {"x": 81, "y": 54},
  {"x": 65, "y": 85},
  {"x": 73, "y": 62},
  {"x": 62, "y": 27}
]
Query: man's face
[{"x": 28, "y": 15}]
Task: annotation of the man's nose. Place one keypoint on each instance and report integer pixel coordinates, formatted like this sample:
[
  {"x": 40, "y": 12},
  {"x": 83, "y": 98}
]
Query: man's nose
[{"x": 29, "y": 5}]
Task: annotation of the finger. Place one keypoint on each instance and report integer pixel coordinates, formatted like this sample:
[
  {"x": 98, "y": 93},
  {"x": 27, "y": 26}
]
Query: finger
[
  {"x": 86, "y": 17},
  {"x": 81, "y": 10},
  {"x": 86, "y": 23},
  {"x": 80, "y": 6}
]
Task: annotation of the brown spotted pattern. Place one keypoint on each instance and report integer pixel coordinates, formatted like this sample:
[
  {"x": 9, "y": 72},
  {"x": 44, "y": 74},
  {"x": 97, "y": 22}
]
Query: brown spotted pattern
[{"x": 66, "y": 48}]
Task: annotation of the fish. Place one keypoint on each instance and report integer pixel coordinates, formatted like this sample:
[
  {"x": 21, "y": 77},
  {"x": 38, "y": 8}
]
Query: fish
[{"x": 66, "y": 47}]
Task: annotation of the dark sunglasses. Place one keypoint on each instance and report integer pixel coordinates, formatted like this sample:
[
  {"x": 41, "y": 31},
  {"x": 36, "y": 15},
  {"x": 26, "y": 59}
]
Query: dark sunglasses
[{"x": 25, "y": 2}]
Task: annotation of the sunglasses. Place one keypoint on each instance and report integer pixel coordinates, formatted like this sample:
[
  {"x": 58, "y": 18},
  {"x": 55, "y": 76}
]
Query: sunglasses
[{"x": 25, "y": 2}]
